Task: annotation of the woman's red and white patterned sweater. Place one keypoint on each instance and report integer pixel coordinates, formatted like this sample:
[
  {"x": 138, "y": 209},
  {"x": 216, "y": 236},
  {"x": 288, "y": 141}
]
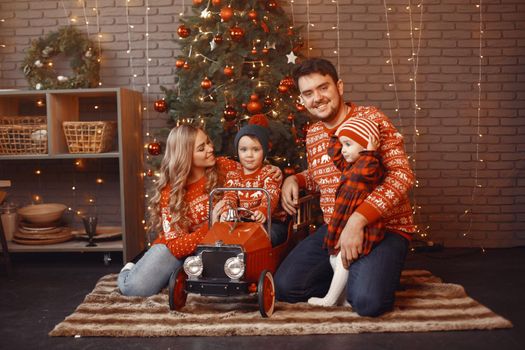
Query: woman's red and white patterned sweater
[
  {"x": 390, "y": 199},
  {"x": 180, "y": 241}
]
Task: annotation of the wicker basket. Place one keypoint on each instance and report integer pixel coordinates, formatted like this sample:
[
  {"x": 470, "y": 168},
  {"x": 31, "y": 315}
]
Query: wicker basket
[
  {"x": 23, "y": 135},
  {"x": 89, "y": 137}
]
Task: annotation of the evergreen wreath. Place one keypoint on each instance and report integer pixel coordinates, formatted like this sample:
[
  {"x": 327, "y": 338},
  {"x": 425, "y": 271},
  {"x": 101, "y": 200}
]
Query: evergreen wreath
[{"x": 83, "y": 55}]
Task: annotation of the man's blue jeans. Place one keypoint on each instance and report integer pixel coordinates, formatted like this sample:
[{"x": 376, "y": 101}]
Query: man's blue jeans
[{"x": 372, "y": 280}]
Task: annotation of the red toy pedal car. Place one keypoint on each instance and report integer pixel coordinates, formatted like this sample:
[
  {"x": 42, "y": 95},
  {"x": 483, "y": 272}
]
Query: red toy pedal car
[{"x": 236, "y": 257}]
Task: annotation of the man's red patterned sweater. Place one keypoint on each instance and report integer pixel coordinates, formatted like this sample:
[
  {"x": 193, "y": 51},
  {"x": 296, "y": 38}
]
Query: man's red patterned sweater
[
  {"x": 389, "y": 200},
  {"x": 255, "y": 200},
  {"x": 183, "y": 241}
]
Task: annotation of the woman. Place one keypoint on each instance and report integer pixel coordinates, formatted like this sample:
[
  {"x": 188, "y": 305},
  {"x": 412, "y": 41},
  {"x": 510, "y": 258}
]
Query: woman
[{"x": 179, "y": 209}]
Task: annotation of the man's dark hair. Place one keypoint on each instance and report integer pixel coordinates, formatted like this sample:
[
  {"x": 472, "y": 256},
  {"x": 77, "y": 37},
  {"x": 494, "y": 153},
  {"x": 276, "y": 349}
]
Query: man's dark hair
[{"x": 315, "y": 65}]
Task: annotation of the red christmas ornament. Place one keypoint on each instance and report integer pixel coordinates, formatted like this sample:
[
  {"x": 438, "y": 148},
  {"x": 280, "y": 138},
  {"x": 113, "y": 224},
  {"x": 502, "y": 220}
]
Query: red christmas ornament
[
  {"x": 226, "y": 13},
  {"x": 149, "y": 173},
  {"x": 160, "y": 106},
  {"x": 300, "y": 107},
  {"x": 218, "y": 39},
  {"x": 290, "y": 117},
  {"x": 228, "y": 71},
  {"x": 265, "y": 50},
  {"x": 183, "y": 31},
  {"x": 229, "y": 113},
  {"x": 236, "y": 33},
  {"x": 254, "y": 51},
  {"x": 264, "y": 27},
  {"x": 290, "y": 31},
  {"x": 287, "y": 81},
  {"x": 268, "y": 101},
  {"x": 206, "y": 83},
  {"x": 154, "y": 148},
  {"x": 186, "y": 65},
  {"x": 197, "y": 2},
  {"x": 271, "y": 5},
  {"x": 179, "y": 63},
  {"x": 259, "y": 119},
  {"x": 289, "y": 170},
  {"x": 252, "y": 14},
  {"x": 254, "y": 106},
  {"x": 282, "y": 89},
  {"x": 216, "y": 2}
]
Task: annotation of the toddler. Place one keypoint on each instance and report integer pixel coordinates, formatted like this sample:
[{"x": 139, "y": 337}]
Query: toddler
[
  {"x": 251, "y": 145},
  {"x": 353, "y": 151}
]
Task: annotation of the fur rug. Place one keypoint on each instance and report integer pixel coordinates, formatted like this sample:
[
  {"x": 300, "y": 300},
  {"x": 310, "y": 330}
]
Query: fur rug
[{"x": 425, "y": 304}]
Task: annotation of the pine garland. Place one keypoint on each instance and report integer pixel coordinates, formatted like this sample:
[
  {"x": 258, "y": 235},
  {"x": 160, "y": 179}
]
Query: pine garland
[{"x": 83, "y": 59}]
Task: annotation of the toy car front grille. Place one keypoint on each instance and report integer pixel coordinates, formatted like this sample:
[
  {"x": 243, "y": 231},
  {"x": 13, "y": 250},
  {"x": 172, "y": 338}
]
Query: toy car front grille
[{"x": 213, "y": 259}]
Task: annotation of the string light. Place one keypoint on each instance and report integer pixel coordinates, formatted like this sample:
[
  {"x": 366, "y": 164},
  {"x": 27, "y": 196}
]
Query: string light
[
  {"x": 478, "y": 160},
  {"x": 391, "y": 62},
  {"x": 129, "y": 50},
  {"x": 338, "y": 35},
  {"x": 99, "y": 36},
  {"x": 308, "y": 25}
]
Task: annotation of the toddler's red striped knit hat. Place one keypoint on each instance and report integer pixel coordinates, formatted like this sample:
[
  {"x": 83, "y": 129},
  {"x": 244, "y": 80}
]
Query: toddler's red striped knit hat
[{"x": 359, "y": 129}]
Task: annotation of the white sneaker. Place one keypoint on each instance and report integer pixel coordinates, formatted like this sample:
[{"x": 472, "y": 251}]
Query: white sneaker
[{"x": 128, "y": 266}]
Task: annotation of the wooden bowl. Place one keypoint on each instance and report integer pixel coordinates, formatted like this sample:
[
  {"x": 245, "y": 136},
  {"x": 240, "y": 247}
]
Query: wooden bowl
[{"x": 42, "y": 213}]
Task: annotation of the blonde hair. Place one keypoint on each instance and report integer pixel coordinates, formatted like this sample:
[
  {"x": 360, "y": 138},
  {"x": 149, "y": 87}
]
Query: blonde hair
[{"x": 174, "y": 170}]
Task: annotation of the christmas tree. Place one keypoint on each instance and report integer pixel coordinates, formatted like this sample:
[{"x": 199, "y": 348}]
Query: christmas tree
[{"x": 235, "y": 68}]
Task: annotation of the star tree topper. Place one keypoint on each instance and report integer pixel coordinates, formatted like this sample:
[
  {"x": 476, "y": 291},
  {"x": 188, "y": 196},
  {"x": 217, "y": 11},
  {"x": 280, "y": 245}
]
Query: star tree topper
[{"x": 291, "y": 57}]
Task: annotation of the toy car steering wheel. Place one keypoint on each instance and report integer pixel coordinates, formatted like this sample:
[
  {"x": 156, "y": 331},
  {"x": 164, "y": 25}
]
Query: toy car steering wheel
[{"x": 245, "y": 214}]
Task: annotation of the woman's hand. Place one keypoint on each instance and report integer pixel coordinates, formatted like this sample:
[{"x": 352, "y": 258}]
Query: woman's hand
[
  {"x": 218, "y": 209},
  {"x": 275, "y": 173},
  {"x": 258, "y": 216}
]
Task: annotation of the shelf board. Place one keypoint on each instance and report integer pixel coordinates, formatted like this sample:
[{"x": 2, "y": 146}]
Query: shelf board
[
  {"x": 70, "y": 246},
  {"x": 60, "y": 156}
]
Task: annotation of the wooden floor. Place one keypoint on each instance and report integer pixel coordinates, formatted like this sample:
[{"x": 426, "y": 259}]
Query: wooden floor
[{"x": 47, "y": 287}]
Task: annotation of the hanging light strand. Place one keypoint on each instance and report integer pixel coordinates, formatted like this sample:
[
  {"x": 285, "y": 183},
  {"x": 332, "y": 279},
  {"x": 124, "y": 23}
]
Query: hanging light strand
[
  {"x": 86, "y": 21},
  {"x": 129, "y": 50},
  {"x": 338, "y": 35},
  {"x": 478, "y": 160},
  {"x": 66, "y": 15},
  {"x": 392, "y": 66},
  {"x": 148, "y": 59}
]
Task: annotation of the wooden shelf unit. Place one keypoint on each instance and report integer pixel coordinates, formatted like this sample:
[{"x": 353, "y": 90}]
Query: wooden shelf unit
[{"x": 67, "y": 105}]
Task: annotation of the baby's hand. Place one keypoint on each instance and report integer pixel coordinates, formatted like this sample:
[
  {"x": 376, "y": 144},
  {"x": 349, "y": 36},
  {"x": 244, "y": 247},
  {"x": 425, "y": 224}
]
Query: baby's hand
[
  {"x": 373, "y": 143},
  {"x": 258, "y": 216}
]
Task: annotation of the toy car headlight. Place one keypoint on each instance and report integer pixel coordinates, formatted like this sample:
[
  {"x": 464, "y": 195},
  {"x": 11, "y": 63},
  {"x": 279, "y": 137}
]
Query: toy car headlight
[
  {"x": 234, "y": 267},
  {"x": 193, "y": 266}
]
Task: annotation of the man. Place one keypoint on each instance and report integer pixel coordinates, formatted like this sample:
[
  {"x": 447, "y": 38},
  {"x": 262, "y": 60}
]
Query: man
[{"x": 306, "y": 271}]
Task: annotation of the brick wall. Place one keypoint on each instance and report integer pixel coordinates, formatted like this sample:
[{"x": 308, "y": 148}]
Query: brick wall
[{"x": 446, "y": 151}]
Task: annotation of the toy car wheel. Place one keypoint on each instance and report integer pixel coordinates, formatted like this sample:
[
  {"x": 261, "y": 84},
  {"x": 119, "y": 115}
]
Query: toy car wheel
[
  {"x": 177, "y": 289},
  {"x": 266, "y": 294}
]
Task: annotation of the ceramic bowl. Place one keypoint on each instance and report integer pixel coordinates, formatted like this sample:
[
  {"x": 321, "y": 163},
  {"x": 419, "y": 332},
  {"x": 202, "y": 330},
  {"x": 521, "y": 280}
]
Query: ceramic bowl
[{"x": 42, "y": 213}]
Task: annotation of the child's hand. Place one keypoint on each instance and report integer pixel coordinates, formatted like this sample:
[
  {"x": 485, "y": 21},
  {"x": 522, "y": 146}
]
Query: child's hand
[
  {"x": 258, "y": 216},
  {"x": 223, "y": 216},
  {"x": 373, "y": 143}
]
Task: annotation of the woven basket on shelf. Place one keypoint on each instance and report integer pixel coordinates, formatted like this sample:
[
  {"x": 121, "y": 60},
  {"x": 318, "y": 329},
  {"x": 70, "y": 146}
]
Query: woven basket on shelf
[
  {"x": 89, "y": 137},
  {"x": 23, "y": 135}
]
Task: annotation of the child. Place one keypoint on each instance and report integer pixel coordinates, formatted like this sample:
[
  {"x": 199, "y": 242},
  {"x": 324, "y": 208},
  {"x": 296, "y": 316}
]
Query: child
[
  {"x": 251, "y": 145},
  {"x": 353, "y": 151}
]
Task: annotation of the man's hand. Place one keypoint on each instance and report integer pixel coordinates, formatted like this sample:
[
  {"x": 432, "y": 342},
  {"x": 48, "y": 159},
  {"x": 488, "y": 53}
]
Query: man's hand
[
  {"x": 290, "y": 195},
  {"x": 351, "y": 239},
  {"x": 373, "y": 143}
]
